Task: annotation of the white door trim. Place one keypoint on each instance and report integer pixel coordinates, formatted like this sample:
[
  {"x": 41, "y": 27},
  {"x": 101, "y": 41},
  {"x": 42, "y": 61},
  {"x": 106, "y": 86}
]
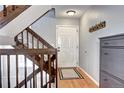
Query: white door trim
[{"x": 73, "y": 26}]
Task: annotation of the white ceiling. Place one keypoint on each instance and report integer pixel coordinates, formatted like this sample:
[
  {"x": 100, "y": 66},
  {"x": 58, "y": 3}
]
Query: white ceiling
[{"x": 61, "y": 10}]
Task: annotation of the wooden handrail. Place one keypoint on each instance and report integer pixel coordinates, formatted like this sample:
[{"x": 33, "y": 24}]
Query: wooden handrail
[
  {"x": 39, "y": 37},
  {"x": 34, "y": 35},
  {"x": 27, "y": 51},
  {"x": 42, "y": 16}
]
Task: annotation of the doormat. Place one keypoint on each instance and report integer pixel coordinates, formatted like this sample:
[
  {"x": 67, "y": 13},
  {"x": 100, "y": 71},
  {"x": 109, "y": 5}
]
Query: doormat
[{"x": 69, "y": 73}]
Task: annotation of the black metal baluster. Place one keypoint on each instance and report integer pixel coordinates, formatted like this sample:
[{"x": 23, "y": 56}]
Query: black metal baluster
[
  {"x": 22, "y": 39},
  {"x": 4, "y": 10},
  {"x": 33, "y": 75},
  {"x": 32, "y": 42},
  {"x": 56, "y": 60},
  {"x": 17, "y": 71},
  {"x": 49, "y": 63},
  {"x": 37, "y": 43},
  {"x": 36, "y": 81},
  {"x": 27, "y": 40},
  {"x": 13, "y": 7},
  {"x": 8, "y": 66},
  {"x": 25, "y": 72},
  {"x": 41, "y": 67},
  {"x": 30, "y": 83}
]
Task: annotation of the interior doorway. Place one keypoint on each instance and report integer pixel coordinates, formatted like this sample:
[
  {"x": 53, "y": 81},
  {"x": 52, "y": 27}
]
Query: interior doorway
[{"x": 67, "y": 42}]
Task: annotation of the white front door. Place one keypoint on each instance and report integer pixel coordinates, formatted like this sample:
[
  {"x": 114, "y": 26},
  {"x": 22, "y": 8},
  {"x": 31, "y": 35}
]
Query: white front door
[{"x": 68, "y": 46}]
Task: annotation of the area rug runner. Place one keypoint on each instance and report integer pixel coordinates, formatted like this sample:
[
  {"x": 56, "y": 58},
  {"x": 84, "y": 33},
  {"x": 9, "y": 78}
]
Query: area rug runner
[{"x": 69, "y": 73}]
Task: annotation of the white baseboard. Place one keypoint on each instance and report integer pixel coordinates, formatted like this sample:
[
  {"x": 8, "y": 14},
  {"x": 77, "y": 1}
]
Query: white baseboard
[{"x": 90, "y": 77}]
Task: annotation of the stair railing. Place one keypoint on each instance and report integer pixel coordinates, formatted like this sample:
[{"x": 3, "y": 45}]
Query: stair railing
[
  {"x": 10, "y": 56},
  {"x": 28, "y": 39},
  {"x": 7, "y": 9},
  {"x": 31, "y": 40},
  {"x": 9, "y": 12}
]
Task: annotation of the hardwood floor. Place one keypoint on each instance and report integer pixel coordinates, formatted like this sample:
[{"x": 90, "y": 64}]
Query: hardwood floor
[{"x": 77, "y": 83}]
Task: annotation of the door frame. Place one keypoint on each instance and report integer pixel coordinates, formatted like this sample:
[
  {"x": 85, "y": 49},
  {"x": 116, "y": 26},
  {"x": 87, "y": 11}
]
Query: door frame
[{"x": 73, "y": 26}]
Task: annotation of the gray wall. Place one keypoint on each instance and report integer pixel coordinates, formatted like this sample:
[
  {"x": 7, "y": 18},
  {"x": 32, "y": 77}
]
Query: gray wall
[{"x": 89, "y": 42}]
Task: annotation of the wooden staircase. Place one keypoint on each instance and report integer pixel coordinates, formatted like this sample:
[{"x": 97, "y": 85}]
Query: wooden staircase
[
  {"x": 10, "y": 12},
  {"x": 24, "y": 43},
  {"x": 32, "y": 47}
]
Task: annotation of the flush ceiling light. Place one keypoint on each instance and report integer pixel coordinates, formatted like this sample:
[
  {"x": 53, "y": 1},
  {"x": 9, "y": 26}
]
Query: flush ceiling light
[{"x": 70, "y": 12}]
